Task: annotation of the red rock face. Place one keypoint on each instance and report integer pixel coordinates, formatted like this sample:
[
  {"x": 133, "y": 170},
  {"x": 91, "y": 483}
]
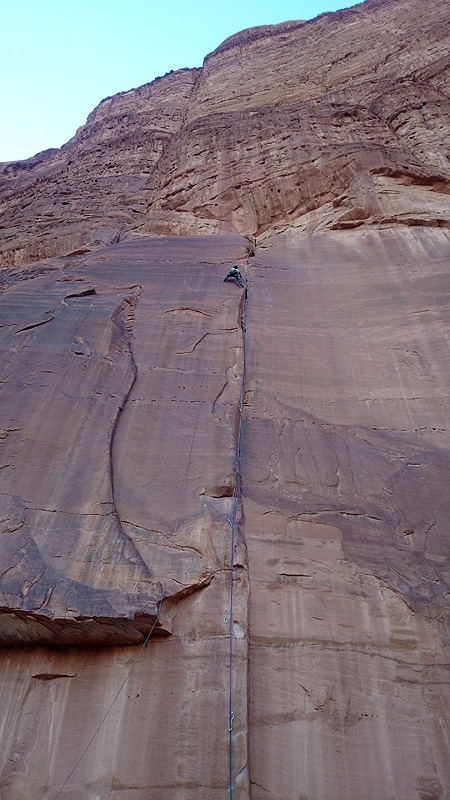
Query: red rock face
[
  {"x": 345, "y": 465},
  {"x": 339, "y": 122},
  {"x": 118, "y": 470},
  {"x": 257, "y": 479},
  {"x": 114, "y": 374}
]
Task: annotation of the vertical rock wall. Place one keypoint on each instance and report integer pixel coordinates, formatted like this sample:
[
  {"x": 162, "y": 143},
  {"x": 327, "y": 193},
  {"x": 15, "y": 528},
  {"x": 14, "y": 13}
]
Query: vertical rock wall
[
  {"x": 341, "y": 585},
  {"x": 124, "y": 526},
  {"x": 333, "y": 123},
  {"x": 136, "y": 643},
  {"x": 346, "y": 468}
]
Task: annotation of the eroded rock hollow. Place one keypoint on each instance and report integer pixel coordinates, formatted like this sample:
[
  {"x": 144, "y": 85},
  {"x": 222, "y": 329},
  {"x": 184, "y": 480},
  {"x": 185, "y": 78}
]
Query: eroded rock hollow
[{"x": 224, "y": 512}]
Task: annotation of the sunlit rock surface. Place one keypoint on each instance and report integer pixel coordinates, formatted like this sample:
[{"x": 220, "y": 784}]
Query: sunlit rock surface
[
  {"x": 121, "y": 383},
  {"x": 314, "y": 155},
  {"x": 346, "y": 467},
  {"x": 335, "y": 123},
  {"x": 114, "y": 368}
]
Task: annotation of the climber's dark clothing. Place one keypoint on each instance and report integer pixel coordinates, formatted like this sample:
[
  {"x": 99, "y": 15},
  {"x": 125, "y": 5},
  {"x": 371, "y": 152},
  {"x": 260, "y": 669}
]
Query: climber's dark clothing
[{"x": 235, "y": 273}]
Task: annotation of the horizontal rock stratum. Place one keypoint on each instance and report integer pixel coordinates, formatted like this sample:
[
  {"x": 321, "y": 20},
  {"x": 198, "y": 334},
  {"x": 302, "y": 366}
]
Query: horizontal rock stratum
[
  {"x": 334, "y": 123},
  {"x": 225, "y": 513}
]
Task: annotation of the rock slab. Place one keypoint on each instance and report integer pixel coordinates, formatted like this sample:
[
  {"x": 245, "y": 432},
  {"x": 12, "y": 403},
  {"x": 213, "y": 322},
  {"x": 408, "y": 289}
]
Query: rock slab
[{"x": 262, "y": 486}]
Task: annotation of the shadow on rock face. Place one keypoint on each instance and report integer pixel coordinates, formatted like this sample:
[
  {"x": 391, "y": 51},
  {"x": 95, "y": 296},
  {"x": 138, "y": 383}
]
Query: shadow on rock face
[{"x": 386, "y": 493}]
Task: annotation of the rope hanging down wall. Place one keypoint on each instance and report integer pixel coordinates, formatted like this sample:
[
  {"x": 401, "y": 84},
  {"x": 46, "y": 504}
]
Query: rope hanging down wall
[
  {"x": 103, "y": 720},
  {"x": 232, "y": 520},
  {"x": 228, "y": 616},
  {"x": 232, "y": 523}
]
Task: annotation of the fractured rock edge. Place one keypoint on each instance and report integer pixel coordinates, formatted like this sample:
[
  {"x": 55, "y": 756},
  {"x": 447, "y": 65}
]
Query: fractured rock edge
[{"x": 34, "y": 593}]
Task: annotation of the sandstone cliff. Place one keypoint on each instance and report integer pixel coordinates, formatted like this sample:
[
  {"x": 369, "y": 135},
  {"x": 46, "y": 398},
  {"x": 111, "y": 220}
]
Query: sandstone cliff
[
  {"x": 254, "y": 484},
  {"x": 334, "y": 123}
]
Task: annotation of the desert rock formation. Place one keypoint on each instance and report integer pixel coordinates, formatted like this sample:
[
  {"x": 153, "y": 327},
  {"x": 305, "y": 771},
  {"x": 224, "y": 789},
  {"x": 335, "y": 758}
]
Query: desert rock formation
[
  {"x": 256, "y": 479},
  {"x": 334, "y": 123}
]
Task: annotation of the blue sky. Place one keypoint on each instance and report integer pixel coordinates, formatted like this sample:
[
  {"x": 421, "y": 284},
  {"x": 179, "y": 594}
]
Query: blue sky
[{"x": 59, "y": 58}]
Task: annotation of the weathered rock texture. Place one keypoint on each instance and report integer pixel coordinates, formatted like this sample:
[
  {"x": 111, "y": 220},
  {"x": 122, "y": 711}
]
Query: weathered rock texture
[
  {"x": 334, "y": 123},
  {"x": 315, "y": 155},
  {"x": 346, "y": 467},
  {"x": 108, "y": 374},
  {"x": 122, "y": 376}
]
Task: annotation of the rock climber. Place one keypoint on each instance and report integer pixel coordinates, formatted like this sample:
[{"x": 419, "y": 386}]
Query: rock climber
[{"x": 235, "y": 272}]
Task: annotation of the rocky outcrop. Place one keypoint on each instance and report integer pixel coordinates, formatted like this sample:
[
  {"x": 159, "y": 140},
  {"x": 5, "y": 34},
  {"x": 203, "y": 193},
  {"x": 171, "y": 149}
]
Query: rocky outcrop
[
  {"x": 121, "y": 385},
  {"x": 116, "y": 492},
  {"x": 86, "y": 381},
  {"x": 335, "y": 123},
  {"x": 89, "y": 192},
  {"x": 224, "y": 513}
]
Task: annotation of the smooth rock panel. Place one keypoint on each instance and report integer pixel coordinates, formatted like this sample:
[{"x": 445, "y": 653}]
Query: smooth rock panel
[
  {"x": 345, "y": 476},
  {"x": 125, "y": 723},
  {"x": 121, "y": 381}
]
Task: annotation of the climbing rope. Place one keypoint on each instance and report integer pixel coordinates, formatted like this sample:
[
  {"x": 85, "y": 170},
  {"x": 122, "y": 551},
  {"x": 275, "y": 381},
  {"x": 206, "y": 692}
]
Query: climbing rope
[
  {"x": 103, "y": 720},
  {"x": 236, "y": 493},
  {"x": 232, "y": 523},
  {"x": 228, "y": 615}
]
